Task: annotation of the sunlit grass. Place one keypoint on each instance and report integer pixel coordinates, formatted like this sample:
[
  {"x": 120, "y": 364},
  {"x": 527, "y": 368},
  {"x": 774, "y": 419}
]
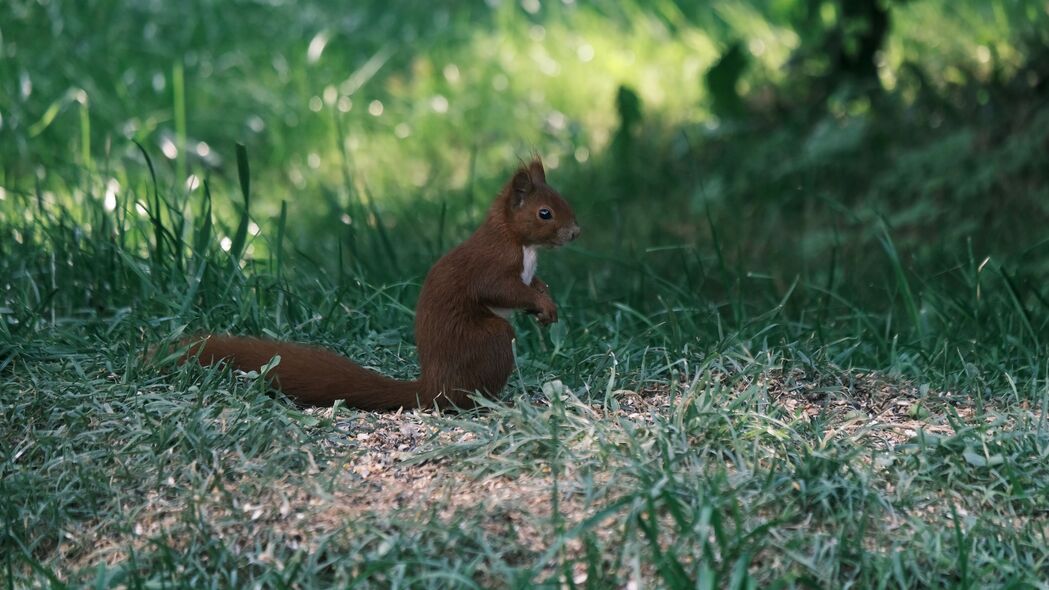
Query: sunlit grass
[
  {"x": 500, "y": 95},
  {"x": 489, "y": 93},
  {"x": 978, "y": 38}
]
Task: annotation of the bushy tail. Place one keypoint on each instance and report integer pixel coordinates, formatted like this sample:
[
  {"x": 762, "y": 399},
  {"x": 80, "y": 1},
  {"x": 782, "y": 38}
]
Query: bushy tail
[{"x": 311, "y": 375}]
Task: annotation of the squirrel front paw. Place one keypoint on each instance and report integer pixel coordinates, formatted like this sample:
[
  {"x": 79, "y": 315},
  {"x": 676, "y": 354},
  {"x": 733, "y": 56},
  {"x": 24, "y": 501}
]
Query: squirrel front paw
[
  {"x": 540, "y": 286},
  {"x": 547, "y": 310}
]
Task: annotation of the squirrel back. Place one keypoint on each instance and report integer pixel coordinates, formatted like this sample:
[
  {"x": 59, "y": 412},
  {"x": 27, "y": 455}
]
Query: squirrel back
[{"x": 462, "y": 332}]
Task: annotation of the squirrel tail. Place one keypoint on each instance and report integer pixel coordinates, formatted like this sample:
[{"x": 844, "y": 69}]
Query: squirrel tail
[{"x": 312, "y": 375}]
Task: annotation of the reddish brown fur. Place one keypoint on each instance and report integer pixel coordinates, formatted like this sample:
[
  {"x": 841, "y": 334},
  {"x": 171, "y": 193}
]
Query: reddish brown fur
[{"x": 463, "y": 346}]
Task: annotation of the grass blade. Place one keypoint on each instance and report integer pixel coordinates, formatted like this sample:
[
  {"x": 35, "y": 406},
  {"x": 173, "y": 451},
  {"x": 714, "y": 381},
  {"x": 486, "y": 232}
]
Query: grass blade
[
  {"x": 241, "y": 236},
  {"x": 909, "y": 300}
]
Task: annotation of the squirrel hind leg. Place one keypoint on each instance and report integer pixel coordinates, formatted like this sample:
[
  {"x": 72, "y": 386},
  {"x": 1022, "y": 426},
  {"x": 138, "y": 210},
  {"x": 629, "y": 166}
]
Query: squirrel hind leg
[{"x": 481, "y": 364}]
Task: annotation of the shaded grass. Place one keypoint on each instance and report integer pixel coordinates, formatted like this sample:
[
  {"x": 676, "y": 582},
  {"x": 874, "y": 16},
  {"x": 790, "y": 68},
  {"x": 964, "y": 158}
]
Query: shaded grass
[{"x": 739, "y": 473}]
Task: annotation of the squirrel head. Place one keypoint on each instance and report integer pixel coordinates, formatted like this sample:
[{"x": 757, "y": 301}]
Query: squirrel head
[{"x": 535, "y": 212}]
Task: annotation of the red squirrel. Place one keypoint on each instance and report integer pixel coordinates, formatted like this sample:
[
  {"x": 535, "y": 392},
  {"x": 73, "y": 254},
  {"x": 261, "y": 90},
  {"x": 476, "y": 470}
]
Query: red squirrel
[{"x": 462, "y": 332}]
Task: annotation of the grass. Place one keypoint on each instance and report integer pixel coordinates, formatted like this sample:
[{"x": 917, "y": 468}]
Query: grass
[{"x": 806, "y": 348}]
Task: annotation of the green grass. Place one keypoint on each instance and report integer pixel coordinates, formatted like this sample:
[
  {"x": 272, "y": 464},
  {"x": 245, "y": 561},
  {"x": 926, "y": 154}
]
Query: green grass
[{"x": 807, "y": 348}]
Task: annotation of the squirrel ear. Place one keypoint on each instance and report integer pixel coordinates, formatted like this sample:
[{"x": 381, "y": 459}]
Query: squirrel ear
[
  {"x": 524, "y": 181},
  {"x": 520, "y": 187}
]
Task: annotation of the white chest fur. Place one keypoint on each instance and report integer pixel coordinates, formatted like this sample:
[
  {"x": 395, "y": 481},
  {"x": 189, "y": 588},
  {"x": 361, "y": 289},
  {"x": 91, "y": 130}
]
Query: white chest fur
[{"x": 530, "y": 261}]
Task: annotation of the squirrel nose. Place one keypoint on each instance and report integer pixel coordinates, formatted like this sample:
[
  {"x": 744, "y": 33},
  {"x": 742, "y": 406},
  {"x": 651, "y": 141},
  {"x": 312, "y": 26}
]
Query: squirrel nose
[{"x": 575, "y": 232}]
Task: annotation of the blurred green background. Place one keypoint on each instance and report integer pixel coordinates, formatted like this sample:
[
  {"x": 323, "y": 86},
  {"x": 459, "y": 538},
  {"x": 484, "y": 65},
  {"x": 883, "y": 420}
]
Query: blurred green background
[{"x": 871, "y": 172}]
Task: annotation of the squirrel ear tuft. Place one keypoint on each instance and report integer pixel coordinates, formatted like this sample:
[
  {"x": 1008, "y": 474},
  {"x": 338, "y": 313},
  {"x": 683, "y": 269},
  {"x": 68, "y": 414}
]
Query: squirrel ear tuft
[{"x": 535, "y": 168}]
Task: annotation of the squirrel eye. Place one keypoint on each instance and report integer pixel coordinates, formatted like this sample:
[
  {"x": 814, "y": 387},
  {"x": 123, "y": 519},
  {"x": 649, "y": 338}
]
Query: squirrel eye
[{"x": 545, "y": 213}]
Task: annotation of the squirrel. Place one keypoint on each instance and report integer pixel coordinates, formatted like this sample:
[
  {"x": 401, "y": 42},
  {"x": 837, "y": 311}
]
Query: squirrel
[{"x": 462, "y": 333}]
